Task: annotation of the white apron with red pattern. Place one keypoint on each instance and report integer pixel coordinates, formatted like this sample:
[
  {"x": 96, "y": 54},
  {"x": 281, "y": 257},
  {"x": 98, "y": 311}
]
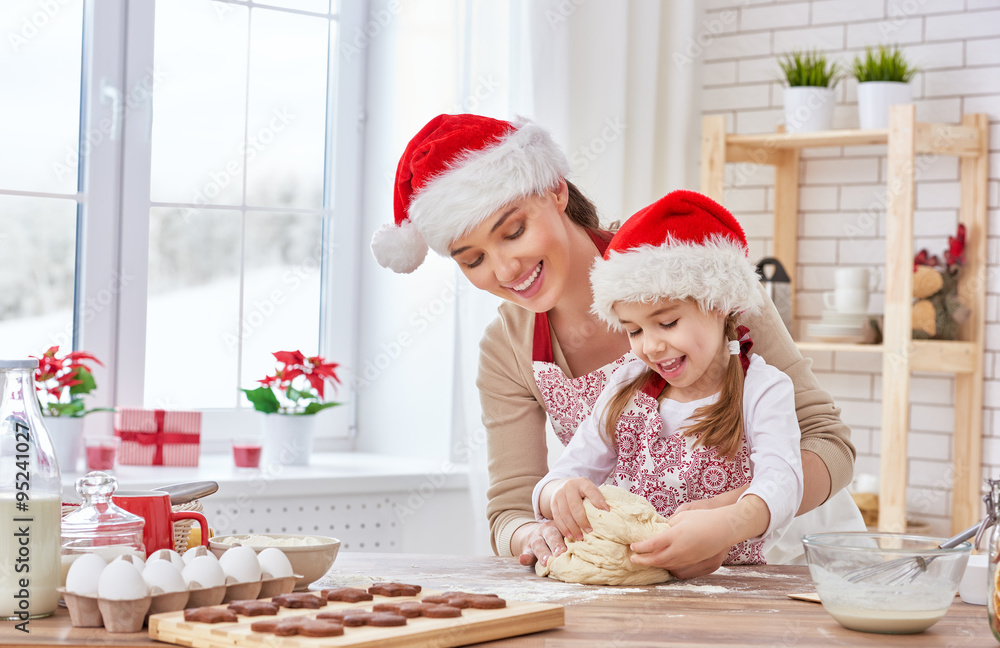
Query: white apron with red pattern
[{"x": 668, "y": 470}]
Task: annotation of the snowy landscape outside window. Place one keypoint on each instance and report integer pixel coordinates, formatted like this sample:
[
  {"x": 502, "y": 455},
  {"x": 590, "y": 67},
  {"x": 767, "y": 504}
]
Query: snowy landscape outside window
[{"x": 167, "y": 190}]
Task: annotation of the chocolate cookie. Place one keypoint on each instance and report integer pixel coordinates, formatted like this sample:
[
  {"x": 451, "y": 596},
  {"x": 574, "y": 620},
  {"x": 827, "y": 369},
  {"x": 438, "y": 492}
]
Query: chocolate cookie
[
  {"x": 439, "y": 611},
  {"x": 320, "y": 628},
  {"x": 209, "y": 615},
  {"x": 300, "y": 600},
  {"x": 486, "y": 601},
  {"x": 346, "y": 594},
  {"x": 455, "y": 600},
  {"x": 394, "y": 589},
  {"x": 467, "y": 600},
  {"x": 408, "y": 609},
  {"x": 350, "y": 618},
  {"x": 254, "y": 608},
  {"x": 386, "y": 619},
  {"x": 281, "y": 627}
]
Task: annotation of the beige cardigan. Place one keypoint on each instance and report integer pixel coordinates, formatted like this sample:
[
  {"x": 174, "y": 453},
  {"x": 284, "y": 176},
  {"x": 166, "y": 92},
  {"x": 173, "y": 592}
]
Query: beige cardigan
[{"x": 514, "y": 415}]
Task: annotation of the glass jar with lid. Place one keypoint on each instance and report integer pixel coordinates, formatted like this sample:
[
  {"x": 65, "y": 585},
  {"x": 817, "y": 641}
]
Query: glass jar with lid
[
  {"x": 99, "y": 525},
  {"x": 992, "y": 586}
]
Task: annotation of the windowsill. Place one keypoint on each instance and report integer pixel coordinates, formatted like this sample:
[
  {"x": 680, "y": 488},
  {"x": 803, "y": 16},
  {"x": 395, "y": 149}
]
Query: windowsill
[{"x": 329, "y": 473}]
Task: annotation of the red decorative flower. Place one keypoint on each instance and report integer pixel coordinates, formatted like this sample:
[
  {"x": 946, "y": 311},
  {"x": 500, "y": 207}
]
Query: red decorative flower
[
  {"x": 298, "y": 385},
  {"x": 64, "y": 380}
]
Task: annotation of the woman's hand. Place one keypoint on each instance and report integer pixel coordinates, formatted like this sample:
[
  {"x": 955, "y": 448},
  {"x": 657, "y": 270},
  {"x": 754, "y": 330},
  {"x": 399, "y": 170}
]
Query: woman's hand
[
  {"x": 539, "y": 541},
  {"x": 562, "y": 500}
]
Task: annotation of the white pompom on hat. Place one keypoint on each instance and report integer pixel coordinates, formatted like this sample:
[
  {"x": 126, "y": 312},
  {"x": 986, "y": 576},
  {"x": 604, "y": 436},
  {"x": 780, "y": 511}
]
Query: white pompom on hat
[
  {"x": 683, "y": 246},
  {"x": 454, "y": 173}
]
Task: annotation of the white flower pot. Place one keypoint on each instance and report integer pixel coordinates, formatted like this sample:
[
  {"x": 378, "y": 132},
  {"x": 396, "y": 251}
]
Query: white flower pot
[
  {"x": 287, "y": 440},
  {"x": 874, "y": 99},
  {"x": 808, "y": 109},
  {"x": 66, "y": 433}
]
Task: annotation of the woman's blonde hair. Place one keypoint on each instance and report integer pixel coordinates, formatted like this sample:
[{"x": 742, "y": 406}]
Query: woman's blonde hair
[{"x": 718, "y": 425}]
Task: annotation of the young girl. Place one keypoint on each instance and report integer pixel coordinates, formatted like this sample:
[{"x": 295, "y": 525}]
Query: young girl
[{"x": 691, "y": 420}]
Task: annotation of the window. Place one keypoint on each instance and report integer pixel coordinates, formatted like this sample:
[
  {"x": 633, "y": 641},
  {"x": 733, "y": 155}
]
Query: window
[
  {"x": 39, "y": 174},
  {"x": 207, "y": 210}
]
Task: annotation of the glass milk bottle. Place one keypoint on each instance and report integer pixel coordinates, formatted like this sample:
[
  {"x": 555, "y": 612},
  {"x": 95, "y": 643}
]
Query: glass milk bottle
[{"x": 30, "y": 501}]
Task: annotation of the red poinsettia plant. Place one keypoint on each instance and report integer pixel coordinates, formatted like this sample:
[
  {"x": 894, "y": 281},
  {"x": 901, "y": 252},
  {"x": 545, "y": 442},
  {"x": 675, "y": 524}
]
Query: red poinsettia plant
[
  {"x": 61, "y": 382},
  {"x": 298, "y": 385}
]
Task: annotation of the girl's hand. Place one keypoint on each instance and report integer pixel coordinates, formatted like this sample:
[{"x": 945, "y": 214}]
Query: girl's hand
[
  {"x": 565, "y": 505},
  {"x": 695, "y": 542},
  {"x": 540, "y": 541}
]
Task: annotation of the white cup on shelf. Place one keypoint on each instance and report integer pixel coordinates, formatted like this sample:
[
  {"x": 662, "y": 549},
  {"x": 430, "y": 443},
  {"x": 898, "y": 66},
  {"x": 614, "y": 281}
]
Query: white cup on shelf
[
  {"x": 847, "y": 300},
  {"x": 852, "y": 278}
]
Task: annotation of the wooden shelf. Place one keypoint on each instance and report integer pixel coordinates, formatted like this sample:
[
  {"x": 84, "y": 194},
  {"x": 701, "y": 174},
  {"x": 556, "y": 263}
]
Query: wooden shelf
[
  {"x": 942, "y": 356},
  {"x": 901, "y": 355}
]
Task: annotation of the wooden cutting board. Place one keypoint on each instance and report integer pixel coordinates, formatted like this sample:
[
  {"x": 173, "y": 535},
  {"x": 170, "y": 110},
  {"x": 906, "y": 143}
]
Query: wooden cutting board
[{"x": 473, "y": 626}]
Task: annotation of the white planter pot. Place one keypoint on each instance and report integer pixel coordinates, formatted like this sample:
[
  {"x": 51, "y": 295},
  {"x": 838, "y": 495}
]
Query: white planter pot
[
  {"x": 287, "y": 440},
  {"x": 874, "y": 99},
  {"x": 808, "y": 109},
  {"x": 66, "y": 433}
]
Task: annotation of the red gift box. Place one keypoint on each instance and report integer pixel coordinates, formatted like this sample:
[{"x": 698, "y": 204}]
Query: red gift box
[{"x": 158, "y": 437}]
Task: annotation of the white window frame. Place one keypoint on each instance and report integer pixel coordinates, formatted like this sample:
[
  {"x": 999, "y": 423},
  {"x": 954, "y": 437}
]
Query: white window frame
[{"x": 110, "y": 312}]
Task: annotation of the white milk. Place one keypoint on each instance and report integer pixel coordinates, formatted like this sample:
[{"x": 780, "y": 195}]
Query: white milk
[{"x": 36, "y": 562}]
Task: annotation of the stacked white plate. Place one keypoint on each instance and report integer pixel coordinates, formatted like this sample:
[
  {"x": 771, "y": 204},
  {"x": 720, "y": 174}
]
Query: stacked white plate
[{"x": 840, "y": 327}]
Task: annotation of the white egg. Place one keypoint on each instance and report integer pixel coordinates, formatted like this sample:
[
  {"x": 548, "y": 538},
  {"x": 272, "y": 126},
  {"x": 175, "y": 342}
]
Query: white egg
[
  {"x": 240, "y": 564},
  {"x": 203, "y": 572},
  {"x": 274, "y": 563},
  {"x": 167, "y": 554},
  {"x": 197, "y": 552},
  {"x": 83, "y": 574},
  {"x": 121, "y": 581},
  {"x": 136, "y": 561},
  {"x": 162, "y": 576}
]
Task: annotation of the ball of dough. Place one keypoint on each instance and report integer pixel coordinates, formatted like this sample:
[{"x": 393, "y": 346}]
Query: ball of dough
[{"x": 603, "y": 556}]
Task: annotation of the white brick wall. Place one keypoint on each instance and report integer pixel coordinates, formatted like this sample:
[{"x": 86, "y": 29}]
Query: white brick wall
[{"x": 956, "y": 43}]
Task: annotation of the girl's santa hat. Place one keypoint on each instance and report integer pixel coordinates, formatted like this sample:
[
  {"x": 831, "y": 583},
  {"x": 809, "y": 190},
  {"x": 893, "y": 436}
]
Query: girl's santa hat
[
  {"x": 454, "y": 173},
  {"x": 683, "y": 246}
]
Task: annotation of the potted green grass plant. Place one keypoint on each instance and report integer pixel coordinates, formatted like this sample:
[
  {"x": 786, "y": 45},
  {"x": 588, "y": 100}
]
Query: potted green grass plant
[
  {"x": 810, "y": 78},
  {"x": 883, "y": 76}
]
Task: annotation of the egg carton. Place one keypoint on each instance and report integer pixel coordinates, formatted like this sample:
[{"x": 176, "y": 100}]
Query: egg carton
[
  {"x": 134, "y": 601},
  {"x": 131, "y": 615}
]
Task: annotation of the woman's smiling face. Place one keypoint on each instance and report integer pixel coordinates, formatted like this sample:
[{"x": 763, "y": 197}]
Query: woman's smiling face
[{"x": 520, "y": 252}]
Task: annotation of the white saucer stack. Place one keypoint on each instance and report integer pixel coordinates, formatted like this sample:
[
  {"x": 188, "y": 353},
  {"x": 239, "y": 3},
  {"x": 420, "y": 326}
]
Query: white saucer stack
[{"x": 839, "y": 327}]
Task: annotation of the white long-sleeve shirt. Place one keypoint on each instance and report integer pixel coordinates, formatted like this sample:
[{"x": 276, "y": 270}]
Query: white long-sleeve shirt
[{"x": 770, "y": 425}]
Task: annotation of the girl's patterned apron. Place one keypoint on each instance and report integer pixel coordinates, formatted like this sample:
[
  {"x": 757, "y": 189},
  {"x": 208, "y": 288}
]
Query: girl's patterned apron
[
  {"x": 669, "y": 470},
  {"x": 567, "y": 401}
]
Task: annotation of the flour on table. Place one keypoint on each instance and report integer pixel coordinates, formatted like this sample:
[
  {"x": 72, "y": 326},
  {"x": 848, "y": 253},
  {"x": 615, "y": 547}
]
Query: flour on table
[{"x": 603, "y": 556}]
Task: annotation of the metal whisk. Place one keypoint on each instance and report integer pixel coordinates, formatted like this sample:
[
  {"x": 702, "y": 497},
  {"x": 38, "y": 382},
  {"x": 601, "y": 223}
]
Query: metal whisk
[{"x": 903, "y": 571}]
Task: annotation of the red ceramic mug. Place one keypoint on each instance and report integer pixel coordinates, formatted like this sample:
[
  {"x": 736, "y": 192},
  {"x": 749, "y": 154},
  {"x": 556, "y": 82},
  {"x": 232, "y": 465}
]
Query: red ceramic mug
[{"x": 154, "y": 508}]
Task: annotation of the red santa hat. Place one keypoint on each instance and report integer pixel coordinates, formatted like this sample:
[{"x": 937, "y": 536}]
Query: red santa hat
[
  {"x": 683, "y": 246},
  {"x": 454, "y": 173}
]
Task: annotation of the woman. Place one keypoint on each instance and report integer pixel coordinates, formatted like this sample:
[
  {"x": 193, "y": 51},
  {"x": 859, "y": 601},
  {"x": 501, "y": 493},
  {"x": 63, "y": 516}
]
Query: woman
[{"x": 493, "y": 196}]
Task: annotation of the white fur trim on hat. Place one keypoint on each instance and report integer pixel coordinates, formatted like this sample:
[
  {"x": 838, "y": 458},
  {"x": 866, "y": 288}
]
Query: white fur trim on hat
[
  {"x": 525, "y": 163},
  {"x": 399, "y": 248},
  {"x": 714, "y": 274}
]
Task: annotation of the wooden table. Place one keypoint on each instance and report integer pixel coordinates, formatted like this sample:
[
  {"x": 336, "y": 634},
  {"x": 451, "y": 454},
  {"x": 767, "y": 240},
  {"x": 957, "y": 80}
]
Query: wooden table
[{"x": 738, "y": 606}]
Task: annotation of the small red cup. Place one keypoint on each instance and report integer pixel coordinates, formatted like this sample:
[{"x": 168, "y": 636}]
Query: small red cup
[
  {"x": 246, "y": 453},
  {"x": 154, "y": 508},
  {"x": 102, "y": 451}
]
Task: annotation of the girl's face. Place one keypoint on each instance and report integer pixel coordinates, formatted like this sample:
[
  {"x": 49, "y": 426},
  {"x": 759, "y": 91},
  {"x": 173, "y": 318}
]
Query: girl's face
[
  {"x": 679, "y": 341},
  {"x": 521, "y": 253}
]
